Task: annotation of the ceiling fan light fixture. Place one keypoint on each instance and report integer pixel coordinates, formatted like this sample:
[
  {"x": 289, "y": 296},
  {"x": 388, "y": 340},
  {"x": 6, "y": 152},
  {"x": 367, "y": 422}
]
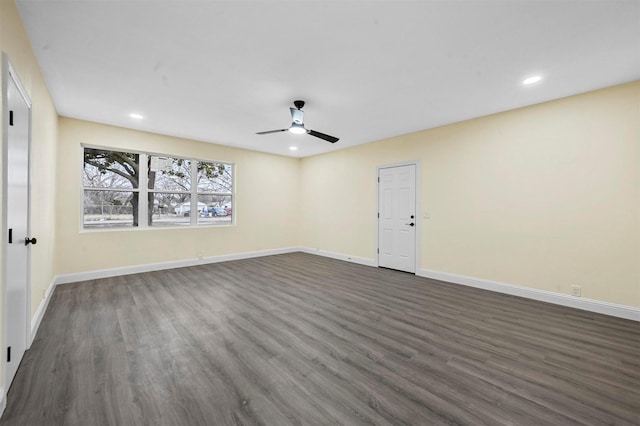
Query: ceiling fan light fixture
[{"x": 298, "y": 129}]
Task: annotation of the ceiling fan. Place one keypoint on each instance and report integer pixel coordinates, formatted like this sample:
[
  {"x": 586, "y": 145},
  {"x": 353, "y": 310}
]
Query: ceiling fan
[{"x": 297, "y": 125}]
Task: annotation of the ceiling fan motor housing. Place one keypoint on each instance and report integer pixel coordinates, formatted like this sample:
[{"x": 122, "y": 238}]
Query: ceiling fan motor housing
[{"x": 297, "y": 116}]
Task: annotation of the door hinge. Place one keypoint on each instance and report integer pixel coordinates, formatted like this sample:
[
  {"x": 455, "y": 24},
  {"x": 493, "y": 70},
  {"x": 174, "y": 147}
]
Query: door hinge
[
  {"x": 378, "y": 251},
  {"x": 378, "y": 215},
  {"x": 10, "y": 235},
  {"x": 378, "y": 179},
  {"x": 8, "y": 353},
  {"x": 10, "y": 118}
]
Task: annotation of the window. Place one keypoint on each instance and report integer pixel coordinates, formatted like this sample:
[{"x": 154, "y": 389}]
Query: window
[{"x": 126, "y": 189}]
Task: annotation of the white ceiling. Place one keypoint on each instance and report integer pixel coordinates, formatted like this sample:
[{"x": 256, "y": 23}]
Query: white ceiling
[{"x": 220, "y": 71}]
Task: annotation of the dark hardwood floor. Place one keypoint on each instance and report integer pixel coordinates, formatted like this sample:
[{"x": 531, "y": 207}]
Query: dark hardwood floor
[{"x": 302, "y": 339}]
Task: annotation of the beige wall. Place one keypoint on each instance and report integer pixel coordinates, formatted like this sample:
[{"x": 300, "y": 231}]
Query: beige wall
[
  {"x": 14, "y": 42},
  {"x": 265, "y": 206},
  {"x": 542, "y": 197}
]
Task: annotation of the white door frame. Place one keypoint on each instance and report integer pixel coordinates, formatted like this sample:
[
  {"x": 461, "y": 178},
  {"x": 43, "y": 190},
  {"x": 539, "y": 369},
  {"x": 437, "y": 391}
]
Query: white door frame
[
  {"x": 9, "y": 72},
  {"x": 376, "y": 249}
]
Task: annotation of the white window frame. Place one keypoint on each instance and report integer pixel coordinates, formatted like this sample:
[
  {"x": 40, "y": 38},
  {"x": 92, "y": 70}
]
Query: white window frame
[{"x": 143, "y": 191}]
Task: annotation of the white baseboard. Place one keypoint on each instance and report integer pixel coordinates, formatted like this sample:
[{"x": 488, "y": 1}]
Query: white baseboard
[
  {"x": 339, "y": 256},
  {"x": 37, "y": 317},
  {"x": 3, "y": 400},
  {"x": 592, "y": 305},
  {"x": 136, "y": 269}
]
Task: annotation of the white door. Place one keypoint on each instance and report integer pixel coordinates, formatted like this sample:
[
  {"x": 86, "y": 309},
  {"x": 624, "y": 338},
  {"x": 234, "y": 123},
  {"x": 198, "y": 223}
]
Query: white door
[
  {"x": 397, "y": 218},
  {"x": 17, "y": 122}
]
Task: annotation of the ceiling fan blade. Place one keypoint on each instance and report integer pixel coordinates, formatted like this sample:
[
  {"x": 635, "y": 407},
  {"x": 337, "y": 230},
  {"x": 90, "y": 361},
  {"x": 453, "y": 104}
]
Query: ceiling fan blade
[
  {"x": 327, "y": 138},
  {"x": 271, "y": 131}
]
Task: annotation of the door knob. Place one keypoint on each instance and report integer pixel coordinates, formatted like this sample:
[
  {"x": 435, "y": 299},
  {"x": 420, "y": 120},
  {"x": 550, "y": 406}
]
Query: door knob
[
  {"x": 28, "y": 241},
  {"x": 410, "y": 224}
]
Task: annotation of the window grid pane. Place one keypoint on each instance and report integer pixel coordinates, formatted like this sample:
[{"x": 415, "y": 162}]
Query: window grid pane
[
  {"x": 169, "y": 174},
  {"x": 170, "y": 209},
  {"x": 110, "y": 169},
  {"x": 218, "y": 209},
  {"x": 215, "y": 177},
  {"x": 109, "y": 209}
]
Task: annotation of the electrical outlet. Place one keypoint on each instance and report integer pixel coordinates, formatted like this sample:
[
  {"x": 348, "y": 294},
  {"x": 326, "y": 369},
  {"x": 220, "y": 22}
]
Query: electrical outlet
[{"x": 576, "y": 290}]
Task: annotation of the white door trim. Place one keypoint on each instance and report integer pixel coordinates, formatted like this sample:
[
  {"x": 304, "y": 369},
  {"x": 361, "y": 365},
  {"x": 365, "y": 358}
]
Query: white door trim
[
  {"x": 9, "y": 72},
  {"x": 418, "y": 210}
]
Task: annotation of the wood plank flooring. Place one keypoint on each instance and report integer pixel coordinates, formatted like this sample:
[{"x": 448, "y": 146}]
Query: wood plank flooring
[{"x": 298, "y": 339}]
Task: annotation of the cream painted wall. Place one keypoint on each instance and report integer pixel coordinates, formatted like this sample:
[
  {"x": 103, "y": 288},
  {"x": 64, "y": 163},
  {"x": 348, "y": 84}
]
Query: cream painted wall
[
  {"x": 542, "y": 197},
  {"x": 265, "y": 207},
  {"x": 14, "y": 42}
]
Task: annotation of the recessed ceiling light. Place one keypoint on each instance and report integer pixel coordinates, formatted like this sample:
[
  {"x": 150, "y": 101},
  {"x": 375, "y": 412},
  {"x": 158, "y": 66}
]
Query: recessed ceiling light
[
  {"x": 293, "y": 148},
  {"x": 136, "y": 116},
  {"x": 531, "y": 80}
]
